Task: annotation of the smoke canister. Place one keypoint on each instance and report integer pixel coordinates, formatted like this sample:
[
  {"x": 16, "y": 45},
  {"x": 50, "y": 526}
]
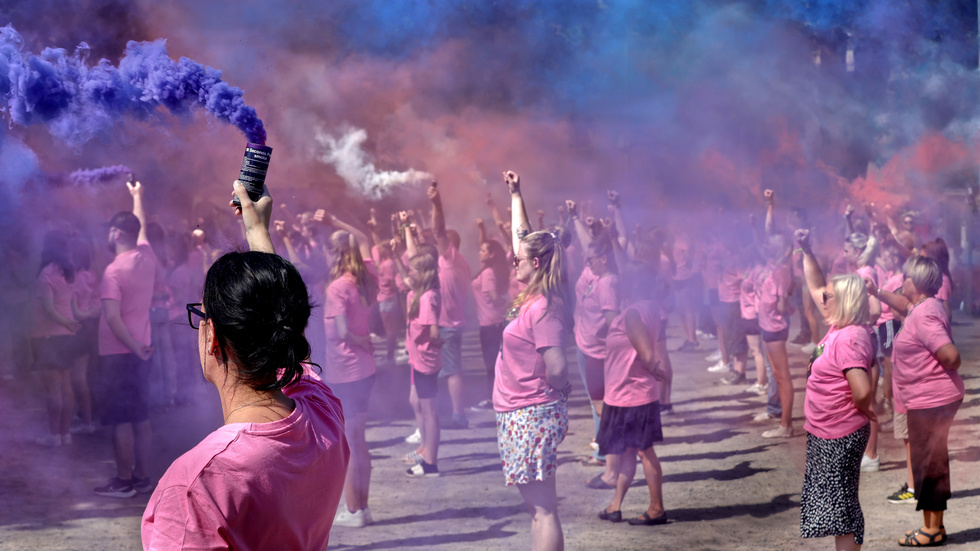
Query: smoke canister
[{"x": 255, "y": 164}]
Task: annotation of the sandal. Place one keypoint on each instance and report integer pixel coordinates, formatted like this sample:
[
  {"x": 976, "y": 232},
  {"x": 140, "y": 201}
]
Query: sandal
[
  {"x": 597, "y": 483},
  {"x": 646, "y": 520},
  {"x": 936, "y": 539},
  {"x": 591, "y": 461},
  {"x": 615, "y": 516}
]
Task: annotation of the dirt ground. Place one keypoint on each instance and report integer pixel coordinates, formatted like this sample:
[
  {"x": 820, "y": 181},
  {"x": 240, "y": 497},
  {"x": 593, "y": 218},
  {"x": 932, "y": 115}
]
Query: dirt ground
[{"x": 725, "y": 487}]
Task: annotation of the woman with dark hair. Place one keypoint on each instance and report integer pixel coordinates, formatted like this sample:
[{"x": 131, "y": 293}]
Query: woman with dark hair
[
  {"x": 270, "y": 478},
  {"x": 838, "y": 406},
  {"x": 350, "y": 368},
  {"x": 490, "y": 289},
  {"x": 927, "y": 387},
  {"x": 53, "y": 338},
  {"x": 530, "y": 393}
]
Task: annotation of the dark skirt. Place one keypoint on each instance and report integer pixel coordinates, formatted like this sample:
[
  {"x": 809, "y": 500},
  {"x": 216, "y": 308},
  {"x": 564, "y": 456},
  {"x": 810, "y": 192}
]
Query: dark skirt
[
  {"x": 625, "y": 428},
  {"x": 829, "y": 503}
]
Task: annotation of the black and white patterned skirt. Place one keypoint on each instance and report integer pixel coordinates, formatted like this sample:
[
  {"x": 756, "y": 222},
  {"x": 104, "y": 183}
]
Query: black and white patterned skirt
[{"x": 829, "y": 503}]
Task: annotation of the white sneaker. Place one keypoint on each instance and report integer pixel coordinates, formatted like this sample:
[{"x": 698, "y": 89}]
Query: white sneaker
[
  {"x": 779, "y": 432},
  {"x": 84, "y": 428},
  {"x": 720, "y": 367},
  {"x": 351, "y": 520},
  {"x": 713, "y": 357},
  {"x": 869, "y": 465},
  {"x": 702, "y": 335},
  {"x": 808, "y": 348},
  {"x": 414, "y": 438},
  {"x": 401, "y": 357},
  {"x": 764, "y": 416},
  {"x": 761, "y": 390}
]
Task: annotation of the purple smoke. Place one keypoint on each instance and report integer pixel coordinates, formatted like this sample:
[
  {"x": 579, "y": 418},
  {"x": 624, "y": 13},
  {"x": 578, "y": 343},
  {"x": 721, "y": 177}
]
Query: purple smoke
[
  {"x": 91, "y": 177},
  {"x": 76, "y": 100}
]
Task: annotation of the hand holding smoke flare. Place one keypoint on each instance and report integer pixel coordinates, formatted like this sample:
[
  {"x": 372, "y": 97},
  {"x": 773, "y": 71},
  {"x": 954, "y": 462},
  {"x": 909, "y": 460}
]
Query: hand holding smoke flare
[
  {"x": 355, "y": 166},
  {"x": 76, "y": 100}
]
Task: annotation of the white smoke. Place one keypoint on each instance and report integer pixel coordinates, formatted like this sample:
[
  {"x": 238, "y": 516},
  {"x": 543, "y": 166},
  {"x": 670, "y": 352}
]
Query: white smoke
[{"x": 355, "y": 166}]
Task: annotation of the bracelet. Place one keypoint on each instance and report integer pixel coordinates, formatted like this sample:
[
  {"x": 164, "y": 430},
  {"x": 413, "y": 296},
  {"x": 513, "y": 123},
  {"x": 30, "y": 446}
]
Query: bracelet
[
  {"x": 798, "y": 250},
  {"x": 880, "y": 291}
]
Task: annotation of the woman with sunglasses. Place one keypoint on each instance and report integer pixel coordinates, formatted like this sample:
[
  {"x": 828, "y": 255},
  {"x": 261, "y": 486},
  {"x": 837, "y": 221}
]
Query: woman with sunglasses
[
  {"x": 837, "y": 406},
  {"x": 272, "y": 476},
  {"x": 530, "y": 392}
]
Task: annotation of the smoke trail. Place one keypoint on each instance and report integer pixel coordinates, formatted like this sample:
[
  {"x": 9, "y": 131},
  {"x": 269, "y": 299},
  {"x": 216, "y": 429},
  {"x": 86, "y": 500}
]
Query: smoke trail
[
  {"x": 18, "y": 164},
  {"x": 76, "y": 100},
  {"x": 90, "y": 177},
  {"x": 354, "y": 165}
]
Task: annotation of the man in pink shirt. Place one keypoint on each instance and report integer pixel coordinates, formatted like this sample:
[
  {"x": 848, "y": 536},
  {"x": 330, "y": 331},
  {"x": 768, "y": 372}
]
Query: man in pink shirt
[
  {"x": 454, "y": 285},
  {"x": 124, "y": 344}
]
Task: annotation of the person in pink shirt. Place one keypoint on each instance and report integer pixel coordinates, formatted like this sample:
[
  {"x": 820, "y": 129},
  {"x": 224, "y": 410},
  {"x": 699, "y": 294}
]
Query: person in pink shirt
[
  {"x": 350, "y": 368},
  {"x": 927, "y": 387},
  {"x": 54, "y": 336},
  {"x": 424, "y": 347},
  {"x": 773, "y": 285},
  {"x": 631, "y": 418},
  {"x": 530, "y": 393},
  {"x": 939, "y": 252},
  {"x": 490, "y": 289},
  {"x": 86, "y": 308},
  {"x": 124, "y": 344},
  {"x": 454, "y": 287},
  {"x": 272, "y": 475},
  {"x": 389, "y": 306},
  {"x": 838, "y": 406}
]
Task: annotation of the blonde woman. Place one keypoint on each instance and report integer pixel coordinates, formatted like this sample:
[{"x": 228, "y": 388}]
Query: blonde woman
[
  {"x": 838, "y": 407},
  {"x": 350, "y": 368},
  {"x": 530, "y": 392}
]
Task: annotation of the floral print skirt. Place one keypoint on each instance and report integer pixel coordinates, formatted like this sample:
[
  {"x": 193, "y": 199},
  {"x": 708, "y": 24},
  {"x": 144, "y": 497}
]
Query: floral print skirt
[{"x": 529, "y": 438}]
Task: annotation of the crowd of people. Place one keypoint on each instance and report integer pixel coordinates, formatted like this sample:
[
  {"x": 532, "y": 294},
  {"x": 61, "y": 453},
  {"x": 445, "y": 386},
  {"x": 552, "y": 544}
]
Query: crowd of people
[{"x": 295, "y": 382}]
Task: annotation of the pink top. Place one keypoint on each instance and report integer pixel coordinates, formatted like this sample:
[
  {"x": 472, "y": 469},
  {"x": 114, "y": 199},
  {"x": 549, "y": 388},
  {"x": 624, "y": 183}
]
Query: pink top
[
  {"x": 128, "y": 279},
  {"x": 454, "y": 284},
  {"x": 828, "y": 404},
  {"x": 730, "y": 284},
  {"x": 683, "y": 259},
  {"x": 256, "y": 485},
  {"x": 628, "y": 383},
  {"x": 520, "y": 374},
  {"x": 387, "y": 280},
  {"x": 593, "y": 297},
  {"x": 422, "y": 355},
  {"x": 345, "y": 362},
  {"x": 946, "y": 290},
  {"x": 488, "y": 311},
  {"x": 747, "y": 299},
  {"x": 772, "y": 283},
  {"x": 51, "y": 284},
  {"x": 869, "y": 272},
  {"x": 892, "y": 284},
  {"x": 919, "y": 381},
  {"x": 87, "y": 290}
]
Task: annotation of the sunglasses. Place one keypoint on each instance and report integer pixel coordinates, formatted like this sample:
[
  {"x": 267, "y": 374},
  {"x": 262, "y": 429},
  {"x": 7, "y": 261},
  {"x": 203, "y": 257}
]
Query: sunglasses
[
  {"x": 193, "y": 312},
  {"x": 826, "y": 297},
  {"x": 517, "y": 260}
]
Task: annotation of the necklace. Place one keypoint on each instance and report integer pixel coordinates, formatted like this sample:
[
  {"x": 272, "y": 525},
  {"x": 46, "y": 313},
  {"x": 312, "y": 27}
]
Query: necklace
[{"x": 245, "y": 405}]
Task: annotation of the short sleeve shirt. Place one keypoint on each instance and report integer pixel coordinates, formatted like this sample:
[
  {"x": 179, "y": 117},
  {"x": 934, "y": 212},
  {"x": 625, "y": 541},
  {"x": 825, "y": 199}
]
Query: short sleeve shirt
[
  {"x": 422, "y": 355},
  {"x": 919, "y": 381},
  {"x": 520, "y": 373},
  {"x": 129, "y": 279},
  {"x": 828, "y": 406},
  {"x": 346, "y": 362}
]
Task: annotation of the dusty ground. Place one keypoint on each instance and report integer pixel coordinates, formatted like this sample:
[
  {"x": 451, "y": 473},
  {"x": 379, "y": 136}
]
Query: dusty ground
[{"x": 725, "y": 487}]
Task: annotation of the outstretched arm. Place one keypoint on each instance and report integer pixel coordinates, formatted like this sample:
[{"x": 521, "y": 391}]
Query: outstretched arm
[
  {"x": 815, "y": 282},
  {"x": 136, "y": 190},
  {"x": 520, "y": 225},
  {"x": 363, "y": 243},
  {"x": 255, "y": 216},
  {"x": 438, "y": 219},
  {"x": 770, "y": 217},
  {"x": 581, "y": 230}
]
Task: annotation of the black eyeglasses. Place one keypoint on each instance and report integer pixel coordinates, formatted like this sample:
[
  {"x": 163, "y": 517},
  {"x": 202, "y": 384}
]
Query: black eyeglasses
[
  {"x": 192, "y": 311},
  {"x": 826, "y": 297}
]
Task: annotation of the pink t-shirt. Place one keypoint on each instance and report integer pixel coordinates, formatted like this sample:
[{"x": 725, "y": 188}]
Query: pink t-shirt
[
  {"x": 730, "y": 284},
  {"x": 892, "y": 284},
  {"x": 919, "y": 381},
  {"x": 488, "y": 311},
  {"x": 828, "y": 405},
  {"x": 387, "y": 280},
  {"x": 346, "y": 363},
  {"x": 520, "y": 378},
  {"x": 772, "y": 283},
  {"x": 594, "y": 296},
  {"x": 51, "y": 284},
  {"x": 422, "y": 356},
  {"x": 946, "y": 290},
  {"x": 256, "y": 485},
  {"x": 454, "y": 284},
  {"x": 683, "y": 259},
  {"x": 747, "y": 299},
  {"x": 628, "y": 383},
  {"x": 128, "y": 279}
]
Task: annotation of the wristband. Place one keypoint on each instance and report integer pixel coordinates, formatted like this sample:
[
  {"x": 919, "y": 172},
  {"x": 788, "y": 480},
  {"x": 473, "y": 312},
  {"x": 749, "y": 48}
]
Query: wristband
[{"x": 800, "y": 250}]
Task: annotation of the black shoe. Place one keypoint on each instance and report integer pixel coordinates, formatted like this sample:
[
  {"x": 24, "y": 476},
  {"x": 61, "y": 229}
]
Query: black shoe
[
  {"x": 645, "y": 520},
  {"x": 733, "y": 378},
  {"x": 457, "y": 422},
  {"x": 801, "y": 339},
  {"x": 688, "y": 346},
  {"x": 615, "y": 516}
]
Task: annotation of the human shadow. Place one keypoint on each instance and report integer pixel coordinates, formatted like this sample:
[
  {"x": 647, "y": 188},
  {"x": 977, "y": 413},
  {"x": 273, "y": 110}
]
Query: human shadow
[
  {"x": 493, "y": 512},
  {"x": 776, "y": 506},
  {"x": 493, "y": 532},
  {"x": 742, "y": 470},
  {"x": 714, "y": 437},
  {"x": 714, "y": 455}
]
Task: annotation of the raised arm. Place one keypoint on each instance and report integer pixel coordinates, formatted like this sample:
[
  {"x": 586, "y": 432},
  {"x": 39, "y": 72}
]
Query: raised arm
[
  {"x": 136, "y": 190},
  {"x": 896, "y": 301},
  {"x": 848, "y": 221},
  {"x": 481, "y": 231},
  {"x": 363, "y": 242},
  {"x": 438, "y": 219},
  {"x": 617, "y": 218},
  {"x": 770, "y": 217},
  {"x": 581, "y": 230},
  {"x": 255, "y": 216},
  {"x": 520, "y": 225},
  {"x": 815, "y": 282}
]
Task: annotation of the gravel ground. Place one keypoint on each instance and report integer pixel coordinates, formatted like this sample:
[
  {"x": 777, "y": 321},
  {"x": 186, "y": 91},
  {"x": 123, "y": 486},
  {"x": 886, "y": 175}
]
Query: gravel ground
[{"x": 725, "y": 487}]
